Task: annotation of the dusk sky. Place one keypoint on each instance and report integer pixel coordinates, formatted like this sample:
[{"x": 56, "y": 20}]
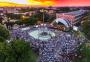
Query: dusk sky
[{"x": 45, "y": 2}]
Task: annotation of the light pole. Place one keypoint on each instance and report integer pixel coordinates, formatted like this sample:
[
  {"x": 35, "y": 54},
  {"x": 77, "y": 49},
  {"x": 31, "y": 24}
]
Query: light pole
[{"x": 42, "y": 10}]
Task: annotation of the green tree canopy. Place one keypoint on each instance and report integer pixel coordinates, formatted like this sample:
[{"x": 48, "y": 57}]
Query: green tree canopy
[
  {"x": 37, "y": 17},
  {"x": 63, "y": 9},
  {"x": 22, "y": 51},
  {"x": 13, "y": 16},
  {"x": 4, "y": 33},
  {"x": 86, "y": 28},
  {"x": 16, "y": 51},
  {"x": 27, "y": 9},
  {"x": 84, "y": 52}
]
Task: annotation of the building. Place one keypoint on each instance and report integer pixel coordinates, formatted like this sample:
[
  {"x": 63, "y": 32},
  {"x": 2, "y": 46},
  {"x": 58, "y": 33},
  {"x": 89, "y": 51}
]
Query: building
[
  {"x": 64, "y": 21},
  {"x": 73, "y": 17},
  {"x": 9, "y": 9}
]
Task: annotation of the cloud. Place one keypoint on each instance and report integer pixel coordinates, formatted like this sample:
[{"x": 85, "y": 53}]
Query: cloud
[
  {"x": 41, "y": 2},
  {"x": 50, "y": 2}
]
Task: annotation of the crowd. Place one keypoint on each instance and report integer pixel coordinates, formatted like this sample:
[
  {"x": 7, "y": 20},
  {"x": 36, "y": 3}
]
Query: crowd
[{"x": 55, "y": 49}]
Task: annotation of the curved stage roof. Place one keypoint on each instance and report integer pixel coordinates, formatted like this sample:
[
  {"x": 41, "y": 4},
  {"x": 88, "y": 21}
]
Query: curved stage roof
[{"x": 63, "y": 21}]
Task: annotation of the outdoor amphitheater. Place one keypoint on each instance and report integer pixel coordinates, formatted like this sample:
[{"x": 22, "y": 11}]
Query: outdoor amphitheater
[{"x": 54, "y": 45}]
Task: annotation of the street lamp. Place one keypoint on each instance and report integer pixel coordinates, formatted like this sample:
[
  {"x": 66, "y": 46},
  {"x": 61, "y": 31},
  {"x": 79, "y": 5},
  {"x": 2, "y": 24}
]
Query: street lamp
[{"x": 42, "y": 10}]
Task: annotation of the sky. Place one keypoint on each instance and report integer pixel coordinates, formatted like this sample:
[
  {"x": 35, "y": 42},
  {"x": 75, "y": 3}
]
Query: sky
[{"x": 45, "y": 2}]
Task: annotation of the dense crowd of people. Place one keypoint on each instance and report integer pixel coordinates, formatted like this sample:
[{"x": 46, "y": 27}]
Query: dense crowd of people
[{"x": 56, "y": 49}]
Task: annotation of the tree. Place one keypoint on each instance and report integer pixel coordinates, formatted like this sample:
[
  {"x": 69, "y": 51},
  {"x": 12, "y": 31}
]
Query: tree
[
  {"x": 22, "y": 51},
  {"x": 4, "y": 33},
  {"x": 39, "y": 16},
  {"x": 1, "y": 19},
  {"x": 86, "y": 28},
  {"x": 2, "y": 39},
  {"x": 84, "y": 52},
  {"x": 27, "y": 9},
  {"x": 63, "y": 9},
  {"x": 30, "y": 21},
  {"x": 13, "y": 16},
  {"x": 5, "y": 53},
  {"x": 16, "y": 51}
]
